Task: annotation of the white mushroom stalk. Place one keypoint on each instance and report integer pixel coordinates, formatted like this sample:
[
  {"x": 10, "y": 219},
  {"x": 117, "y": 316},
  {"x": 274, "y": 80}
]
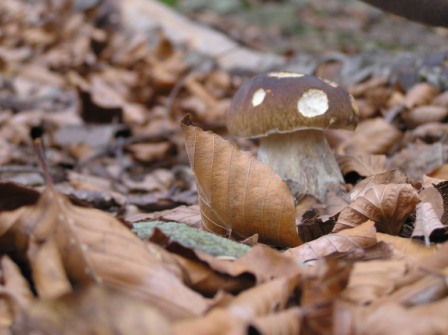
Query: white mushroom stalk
[
  {"x": 288, "y": 112},
  {"x": 303, "y": 160}
]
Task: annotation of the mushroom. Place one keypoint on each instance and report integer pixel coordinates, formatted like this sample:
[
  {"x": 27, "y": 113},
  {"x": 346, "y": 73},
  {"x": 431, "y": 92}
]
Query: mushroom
[{"x": 288, "y": 112}]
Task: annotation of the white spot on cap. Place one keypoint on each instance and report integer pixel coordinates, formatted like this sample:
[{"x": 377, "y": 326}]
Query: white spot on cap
[
  {"x": 313, "y": 103},
  {"x": 285, "y": 75},
  {"x": 258, "y": 97},
  {"x": 331, "y": 83},
  {"x": 354, "y": 105}
]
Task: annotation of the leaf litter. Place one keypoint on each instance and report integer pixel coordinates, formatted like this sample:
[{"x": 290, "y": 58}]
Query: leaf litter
[{"x": 110, "y": 105}]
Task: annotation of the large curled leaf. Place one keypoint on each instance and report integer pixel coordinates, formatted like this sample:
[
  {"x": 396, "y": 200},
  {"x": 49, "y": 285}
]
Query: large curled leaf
[
  {"x": 348, "y": 241},
  {"x": 388, "y": 205},
  {"x": 86, "y": 245},
  {"x": 238, "y": 195}
]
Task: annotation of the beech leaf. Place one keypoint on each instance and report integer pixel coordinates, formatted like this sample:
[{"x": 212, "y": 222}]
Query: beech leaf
[
  {"x": 388, "y": 205},
  {"x": 370, "y": 280},
  {"x": 364, "y": 165},
  {"x": 238, "y": 195},
  {"x": 346, "y": 241},
  {"x": 427, "y": 223},
  {"x": 92, "y": 247}
]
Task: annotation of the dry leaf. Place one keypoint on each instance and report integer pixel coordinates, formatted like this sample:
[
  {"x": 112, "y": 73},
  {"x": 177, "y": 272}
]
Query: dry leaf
[
  {"x": 370, "y": 280},
  {"x": 364, "y": 165},
  {"x": 47, "y": 269},
  {"x": 95, "y": 247},
  {"x": 428, "y": 225},
  {"x": 431, "y": 195},
  {"x": 207, "y": 281},
  {"x": 320, "y": 288},
  {"x": 262, "y": 262},
  {"x": 420, "y": 94},
  {"x": 92, "y": 310},
  {"x": 238, "y": 195},
  {"x": 217, "y": 322},
  {"x": 406, "y": 246},
  {"x": 263, "y": 299},
  {"x": 346, "y": 242},
  {"x": 441, "y": 99},
  {"x": 442, "y": 187},
  {"x": 287, "y": 322},
  {"x": 419, "y": 159},
  {"x": 373, "y": 136},
  {"x": 424, "y": 114},
  {"x": 394, "y": 319},
  {"x": 189, "y": 215},
  {"x": 429, "y": 288},
  {"x": 388, "y": 177},
  {"x": 388, "y": 205}
]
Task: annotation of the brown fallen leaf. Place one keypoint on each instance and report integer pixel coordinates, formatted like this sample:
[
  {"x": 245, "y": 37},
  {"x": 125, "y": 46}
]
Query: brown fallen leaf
[
  {"x": 93, "y": 247},
  {"x": 388, "y": 205},
  {"x": 428, "y": 289},
  {"x": 392, "y": 319},
  {"x": 263, "y": 299},
  {"x": 442, "y": 187},
  {"x": 431, "y": 195},
  {"x": 92, "y": 310},
  {"x": 320, "y": 288},
  {"x": 420, "y": 94},
  {"x": 209, "y": 282},
  {"x": 217, "y": 322},
  {"x": 287, "y": 322},
  {"x": 238, "y": 195},
  {"x": 424, "y": 114},
  {"x": 373, "y": 136},
  {"x": 16, "y": 294},
  {"x": 346, "y": 242},
  {"x": 428, "y": 225},
  {"x": 370, "y": 280},
  {"x": 405, "y": 246},
  {"x": 49, "y": 277},
  {"x": 151, "y": 152},
  {"x": 419, "y": 267},
  {"x": 388, "y": 177},
  {"x": 419, "y": 158},
  {"x": 363, "y": 165},
  {"x": 189, "y": 215}
]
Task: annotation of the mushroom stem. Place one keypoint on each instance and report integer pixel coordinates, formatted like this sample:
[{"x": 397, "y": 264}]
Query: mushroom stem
[{"x": 303, "y": 159}]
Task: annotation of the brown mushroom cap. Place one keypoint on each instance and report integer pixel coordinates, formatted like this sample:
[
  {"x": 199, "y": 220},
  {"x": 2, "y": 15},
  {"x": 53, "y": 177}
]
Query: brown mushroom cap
[{"x": 281, "y": 102}]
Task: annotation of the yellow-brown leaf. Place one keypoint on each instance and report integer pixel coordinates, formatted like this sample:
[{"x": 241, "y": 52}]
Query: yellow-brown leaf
[
  {"x": 388, "y": 205},
  {"x": 238, "y": 195}
]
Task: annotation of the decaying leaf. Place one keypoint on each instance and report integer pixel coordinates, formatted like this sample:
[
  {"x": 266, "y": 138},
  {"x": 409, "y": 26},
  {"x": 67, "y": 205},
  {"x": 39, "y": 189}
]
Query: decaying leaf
[
  {"x": 347, "y": 242},
  {"x": 420, "y": 94},
  {"x": 387, "y": 205},
  {"x": 373, "y": 136},
  {"x": 189, "y": 215},
  {"x": 287, "y": 322},
  {"x": 320, "y": 288},
  {"x": 370, "y": 280},
  {"x": 364, "y": 165},
  {"x": 425, "y": 114},
  {"x": 428, "y": 225},
  {"x": 442, "y": 187},
  {"x": 263, "y": 299},
  {"x": 238, "y": 195},
  {"x": 92, "y": 310},
  {"x": 419, "y": 159},
  {"x": 388, "y": 177},
  {"x": 217, "y": 322},
  {"x": 93, "y": 247},
  {"x": 405, "y": 246}
]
